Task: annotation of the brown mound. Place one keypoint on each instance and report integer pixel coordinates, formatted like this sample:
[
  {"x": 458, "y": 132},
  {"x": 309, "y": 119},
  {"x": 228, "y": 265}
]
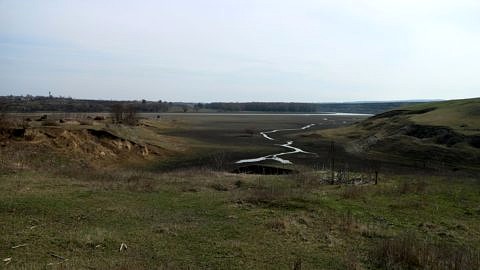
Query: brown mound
[{"x": 86, "y": 144}]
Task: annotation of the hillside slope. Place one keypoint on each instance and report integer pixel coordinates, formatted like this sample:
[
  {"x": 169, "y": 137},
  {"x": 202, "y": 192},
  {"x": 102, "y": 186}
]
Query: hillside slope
[{"x": 436, "y": 135}]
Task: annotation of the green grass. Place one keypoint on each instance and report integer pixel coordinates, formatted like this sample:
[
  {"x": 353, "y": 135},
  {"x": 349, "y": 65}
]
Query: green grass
[
  {"x": 461, "y": 115},
  {"x": 181, "y": 219}
]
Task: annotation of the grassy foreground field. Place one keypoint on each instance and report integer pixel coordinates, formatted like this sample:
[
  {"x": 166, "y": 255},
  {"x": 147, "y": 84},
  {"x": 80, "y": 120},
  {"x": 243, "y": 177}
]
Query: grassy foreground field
[
  {"x": 215, "y": 220},
  {"x": 59, "y": 212}
]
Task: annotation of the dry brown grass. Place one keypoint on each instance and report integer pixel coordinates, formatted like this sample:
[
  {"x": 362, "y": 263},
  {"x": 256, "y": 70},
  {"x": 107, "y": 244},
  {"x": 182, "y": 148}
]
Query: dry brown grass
[
  {"x": 308, "y": 179},
  {"x": 269, "y": 195},
  {"x": 8, "y": 123},
  {"x": 351, "y": 261},
  {"x": 219, "y": 187},
  {"x": 416, "y": 187},
  {"x": 407, "y": 251},
  {"x": 350, "y": 224},
  {"x": 277, "y": 225},
  {"x": 403, "y": 187},
  {"x": 260, "y": 195},
  {"x": 352, "y": 192},
  {"x": 109, "y": 179}
]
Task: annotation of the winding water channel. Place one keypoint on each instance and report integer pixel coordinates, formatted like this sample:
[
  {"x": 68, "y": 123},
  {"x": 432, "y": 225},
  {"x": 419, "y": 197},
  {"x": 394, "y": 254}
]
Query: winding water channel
[{"x": 287, "y": 145}]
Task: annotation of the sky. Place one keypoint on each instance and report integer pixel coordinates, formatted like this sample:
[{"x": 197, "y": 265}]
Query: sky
[{"x": 241, "y": 50}]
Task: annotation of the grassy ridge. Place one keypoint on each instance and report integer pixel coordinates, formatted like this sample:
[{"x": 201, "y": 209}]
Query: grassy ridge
[
  {"x": 461, "y": 115},
  {"x": 437, "y": 135}
]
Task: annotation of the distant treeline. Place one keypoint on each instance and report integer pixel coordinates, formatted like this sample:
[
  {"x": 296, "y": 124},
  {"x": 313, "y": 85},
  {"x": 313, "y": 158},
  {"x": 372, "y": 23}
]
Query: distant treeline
[
  {"x": 364, "y": 107},
  {"x": 262, "y": 106},
  {"x": 62, "y": 104}
]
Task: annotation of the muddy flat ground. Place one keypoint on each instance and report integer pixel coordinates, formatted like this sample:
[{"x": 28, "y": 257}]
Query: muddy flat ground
[
  {"x": 238, "y": 136},
  {"x": 235, "y": 137}
]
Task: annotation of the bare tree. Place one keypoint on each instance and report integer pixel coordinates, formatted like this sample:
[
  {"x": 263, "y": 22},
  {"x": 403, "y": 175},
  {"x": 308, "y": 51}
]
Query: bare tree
[
  {"x": 117, "y": 111},
  {"x": 4, "y": 123},
  {"x": 332, "y": 162},
  {"x": 130, "y": 117},
  {"x": 122, "y": 114}
]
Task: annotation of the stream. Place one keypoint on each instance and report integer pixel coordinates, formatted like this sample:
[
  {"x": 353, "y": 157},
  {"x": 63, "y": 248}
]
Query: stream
[{"x": 287, "y": 145}]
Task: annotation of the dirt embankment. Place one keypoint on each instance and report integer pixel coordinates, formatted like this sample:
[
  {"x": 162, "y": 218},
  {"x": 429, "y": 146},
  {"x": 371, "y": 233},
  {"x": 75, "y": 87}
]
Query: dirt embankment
[{"x": 94, "y": 145}]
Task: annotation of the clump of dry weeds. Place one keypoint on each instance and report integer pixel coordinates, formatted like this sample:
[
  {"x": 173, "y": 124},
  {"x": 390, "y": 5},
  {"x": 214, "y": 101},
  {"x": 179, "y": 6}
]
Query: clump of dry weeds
[
  {"x": 408, "y": 187},
  {"x": 353, "y": 192},
  {"x": 407, "y": 251},
  {"x": 268, "y": 194}
]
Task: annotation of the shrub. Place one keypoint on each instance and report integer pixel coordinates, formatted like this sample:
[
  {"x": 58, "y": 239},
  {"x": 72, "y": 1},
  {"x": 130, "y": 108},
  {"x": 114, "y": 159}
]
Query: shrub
[
  {"x": 50, "y": 123},
  {"x": 239, "y": 183},
  {"x": 218, "y": 161},
  {"x": 86, "y": 122},
  {"x": 219, "y": 187}
]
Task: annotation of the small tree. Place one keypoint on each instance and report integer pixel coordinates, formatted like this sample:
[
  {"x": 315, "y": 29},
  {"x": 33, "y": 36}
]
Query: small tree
[
  {"x": 130, "y": 117},
  {"x": 5, "y": 122},
  {"x": 122, "y": 114},
  {"x": 117, "y": 113},
  {"x": 198, "y": 106}
]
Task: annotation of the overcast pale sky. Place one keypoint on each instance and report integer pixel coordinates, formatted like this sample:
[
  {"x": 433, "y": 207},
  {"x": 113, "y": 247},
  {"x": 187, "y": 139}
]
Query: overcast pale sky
[{"x": 241, "y": 50}]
